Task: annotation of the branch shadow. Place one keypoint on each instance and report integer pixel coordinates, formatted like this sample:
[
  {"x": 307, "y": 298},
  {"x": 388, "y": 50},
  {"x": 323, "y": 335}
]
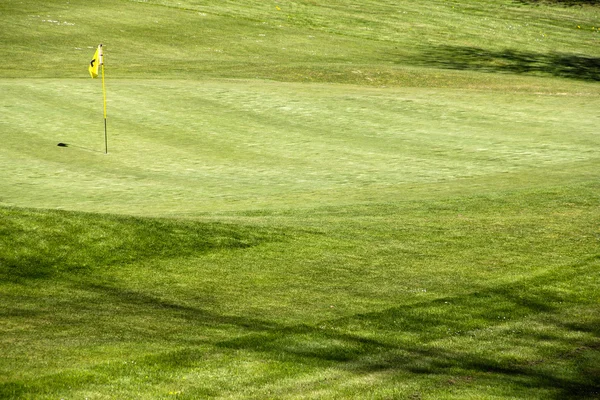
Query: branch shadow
[
  {"x": 562, "y": 65},
  {"x": 401, "y": 339},
  {"x": 405, "y": 344},
  {"x": 397, "y": 340}
]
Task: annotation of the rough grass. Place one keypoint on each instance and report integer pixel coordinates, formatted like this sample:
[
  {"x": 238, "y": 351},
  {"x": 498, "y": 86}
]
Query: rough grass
[{"x": 483, "y": 296}]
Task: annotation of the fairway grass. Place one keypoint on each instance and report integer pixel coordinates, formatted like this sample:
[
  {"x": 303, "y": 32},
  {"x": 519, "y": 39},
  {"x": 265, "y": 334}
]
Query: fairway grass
[{"x": 354, "y": 199}]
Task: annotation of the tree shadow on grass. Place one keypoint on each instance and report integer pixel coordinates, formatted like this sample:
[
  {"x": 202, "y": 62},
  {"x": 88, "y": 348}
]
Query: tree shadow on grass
[
  {"x": 39, "y": 244},
  {"x": 403, "y": 340},
  {"x": 399, "y": 341},
  {"x": 512, "y": 61}
]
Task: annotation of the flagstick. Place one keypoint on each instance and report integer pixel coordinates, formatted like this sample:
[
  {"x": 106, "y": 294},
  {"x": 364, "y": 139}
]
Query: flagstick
[
  {"x": 104, "y": 97},
  {"x": 105, "y": 138}
]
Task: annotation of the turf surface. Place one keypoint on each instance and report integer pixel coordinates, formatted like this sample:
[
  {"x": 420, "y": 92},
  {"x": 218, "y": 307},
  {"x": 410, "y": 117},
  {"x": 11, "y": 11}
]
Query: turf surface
[{"x": 352, "y": 199}]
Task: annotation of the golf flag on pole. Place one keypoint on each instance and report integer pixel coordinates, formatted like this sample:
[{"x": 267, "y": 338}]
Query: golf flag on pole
[{"x": 95, "y": 63}]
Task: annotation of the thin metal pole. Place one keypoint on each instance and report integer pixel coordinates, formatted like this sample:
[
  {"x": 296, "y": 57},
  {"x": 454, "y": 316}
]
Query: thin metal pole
[
  {"x": 104, "y": 98},
  {"x": 105, "y": 138}
]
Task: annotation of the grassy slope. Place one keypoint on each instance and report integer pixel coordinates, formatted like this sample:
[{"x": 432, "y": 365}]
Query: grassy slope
[
  {"x": 483, "y": 297},
  {"x": 385, "y": 200}
]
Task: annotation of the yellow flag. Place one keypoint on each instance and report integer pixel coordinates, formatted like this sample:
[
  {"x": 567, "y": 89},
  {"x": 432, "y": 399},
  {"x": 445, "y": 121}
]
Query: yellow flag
[{"x": 95, "y": 63}]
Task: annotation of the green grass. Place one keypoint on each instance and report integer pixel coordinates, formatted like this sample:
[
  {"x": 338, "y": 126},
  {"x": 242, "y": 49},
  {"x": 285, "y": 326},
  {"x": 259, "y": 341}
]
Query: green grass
[
  {"x": 183, "y": 148},
  {"x": 480, "y": 296},
  {"x": 352, "y": 199}
]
